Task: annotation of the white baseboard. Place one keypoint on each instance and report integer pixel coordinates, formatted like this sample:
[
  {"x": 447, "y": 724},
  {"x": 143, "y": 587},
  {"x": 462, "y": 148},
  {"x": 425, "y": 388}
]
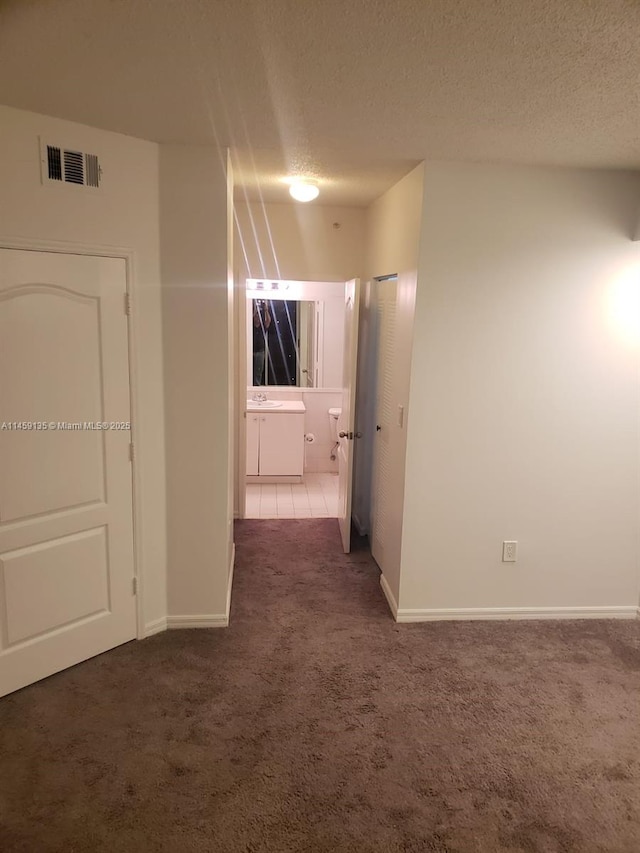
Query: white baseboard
[
  {"x": 205, "y": 620},
  {"x": 473, "y": 613},
  {"x": 155, "y": 627},
  {"x": 391, "y": 601},
  {"x": 199, "y": 620}
]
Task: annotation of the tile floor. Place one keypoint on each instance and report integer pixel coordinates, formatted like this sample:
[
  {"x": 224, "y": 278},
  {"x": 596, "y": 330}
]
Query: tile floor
[{"x": 315, "y": 497}]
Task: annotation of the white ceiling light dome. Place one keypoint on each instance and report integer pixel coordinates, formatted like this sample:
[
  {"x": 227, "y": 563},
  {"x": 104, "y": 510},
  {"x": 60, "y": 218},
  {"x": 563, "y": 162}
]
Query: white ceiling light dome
[{"x": 304, "y": 190}]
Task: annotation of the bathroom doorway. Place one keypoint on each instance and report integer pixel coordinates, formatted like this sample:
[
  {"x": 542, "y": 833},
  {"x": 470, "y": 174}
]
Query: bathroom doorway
[{"x": 296, "y": 431}]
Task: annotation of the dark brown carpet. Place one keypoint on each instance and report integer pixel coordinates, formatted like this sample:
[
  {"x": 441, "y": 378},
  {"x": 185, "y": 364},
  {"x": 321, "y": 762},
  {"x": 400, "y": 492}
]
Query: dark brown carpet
[{"x": 315, "y": 723}]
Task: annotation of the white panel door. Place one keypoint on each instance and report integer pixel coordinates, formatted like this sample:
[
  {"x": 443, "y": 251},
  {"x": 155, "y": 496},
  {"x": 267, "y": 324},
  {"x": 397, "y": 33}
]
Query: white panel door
[
  {"x": 386, "y": 299},
  {"x": 346, "y": 421},
  {"x": 66, "y": 532}
]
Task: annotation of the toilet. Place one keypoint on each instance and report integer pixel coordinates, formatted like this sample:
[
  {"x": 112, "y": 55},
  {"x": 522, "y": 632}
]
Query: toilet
[{"x": 334, "y": 414}]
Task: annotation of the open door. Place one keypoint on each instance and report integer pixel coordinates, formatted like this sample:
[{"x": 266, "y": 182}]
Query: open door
[
  {"x": 346, "y": 422},
  {"x": 385, "y": 437}
]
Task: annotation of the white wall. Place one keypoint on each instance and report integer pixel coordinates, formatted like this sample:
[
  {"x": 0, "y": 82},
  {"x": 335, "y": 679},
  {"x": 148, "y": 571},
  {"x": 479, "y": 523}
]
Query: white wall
[
  {"x": 197, "y": 329},
  {"x": 333, "y": 342},
  {"x": 316, "y": 421},
  {"x": 524, "y": 397},
  {"x": 393, "y": 233},
  {"x": 123, "y": 214}
]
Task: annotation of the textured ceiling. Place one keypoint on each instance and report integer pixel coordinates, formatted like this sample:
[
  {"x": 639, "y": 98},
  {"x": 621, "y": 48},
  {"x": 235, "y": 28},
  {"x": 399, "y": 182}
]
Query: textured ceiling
[{"x": 354, "y": 92}]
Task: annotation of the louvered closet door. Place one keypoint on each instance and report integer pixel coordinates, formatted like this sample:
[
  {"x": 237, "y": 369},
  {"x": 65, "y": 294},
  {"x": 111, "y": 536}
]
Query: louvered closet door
[
  {"x": 385, "y": 372},
  {"x": 66, "y": 534}
]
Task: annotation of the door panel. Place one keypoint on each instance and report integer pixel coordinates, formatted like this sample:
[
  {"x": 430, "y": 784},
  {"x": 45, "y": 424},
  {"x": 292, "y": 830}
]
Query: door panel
[
  {"x": 66, "y": 530},
  {"x": 346, "y": 422},
  {"x": 281, "y": 444},
  {"x": 77, "y": 562},
  {"x": 33, "y": 321}
]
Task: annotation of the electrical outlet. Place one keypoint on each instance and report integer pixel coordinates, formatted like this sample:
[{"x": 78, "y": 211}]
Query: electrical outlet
[{"x": 509, "y": 551}]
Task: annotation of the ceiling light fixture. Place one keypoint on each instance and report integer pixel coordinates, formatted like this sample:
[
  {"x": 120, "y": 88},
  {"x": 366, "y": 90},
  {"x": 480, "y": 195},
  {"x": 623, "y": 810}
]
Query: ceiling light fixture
[{"x": 304, "y": 190}]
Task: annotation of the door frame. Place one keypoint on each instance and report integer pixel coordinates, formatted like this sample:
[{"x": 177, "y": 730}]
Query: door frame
[
  {"x": 129, "y": 257},
  {"x": 240, "y": 368}
]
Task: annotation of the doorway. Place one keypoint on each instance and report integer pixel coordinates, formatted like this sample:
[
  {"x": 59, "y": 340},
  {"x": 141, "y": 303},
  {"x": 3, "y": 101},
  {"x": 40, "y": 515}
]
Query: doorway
[
  {"x": 296, "y": 393},
  {"x": 384, "y": 379}
]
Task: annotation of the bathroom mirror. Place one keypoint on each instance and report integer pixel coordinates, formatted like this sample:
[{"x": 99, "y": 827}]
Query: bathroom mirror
[
  {"x": 295, "y": 343},
  {"x": 284, "y": 343}
]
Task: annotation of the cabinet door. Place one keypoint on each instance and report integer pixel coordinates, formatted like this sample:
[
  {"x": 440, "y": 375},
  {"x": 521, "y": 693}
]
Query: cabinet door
[
  {"x": 253, "y": 433},
  {"x": 282, "y": 444}
]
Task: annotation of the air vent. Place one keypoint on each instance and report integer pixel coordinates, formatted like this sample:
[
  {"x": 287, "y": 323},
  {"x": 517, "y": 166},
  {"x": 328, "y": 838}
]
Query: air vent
[
  {"x": 69, "y": 166},
  {"x": 73, "y": 167},
  {"x": 54, "y": 163},
  {"x": 92, "y": 170}
]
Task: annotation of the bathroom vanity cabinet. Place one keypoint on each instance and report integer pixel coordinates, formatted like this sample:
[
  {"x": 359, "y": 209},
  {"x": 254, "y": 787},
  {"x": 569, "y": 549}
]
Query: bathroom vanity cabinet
[{"x": 275, "y": 441}]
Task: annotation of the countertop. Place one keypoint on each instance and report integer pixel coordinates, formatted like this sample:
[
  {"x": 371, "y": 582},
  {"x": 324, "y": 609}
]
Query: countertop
[{"x": 287, "y": 407}]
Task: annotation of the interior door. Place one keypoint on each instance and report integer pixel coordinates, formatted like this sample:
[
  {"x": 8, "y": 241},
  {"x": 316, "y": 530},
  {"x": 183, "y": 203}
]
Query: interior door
[
  {"x": 386, "y": 299},
  {"x": 346, "y": 422},
  {"x": 66, "y": 531}
]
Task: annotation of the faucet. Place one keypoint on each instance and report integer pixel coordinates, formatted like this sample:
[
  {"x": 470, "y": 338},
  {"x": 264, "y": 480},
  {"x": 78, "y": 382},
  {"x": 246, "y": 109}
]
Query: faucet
[{"x": 259, "y": 397}]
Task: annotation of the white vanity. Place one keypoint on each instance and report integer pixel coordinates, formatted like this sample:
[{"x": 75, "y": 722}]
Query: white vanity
[{"x": 275, "y": 440}]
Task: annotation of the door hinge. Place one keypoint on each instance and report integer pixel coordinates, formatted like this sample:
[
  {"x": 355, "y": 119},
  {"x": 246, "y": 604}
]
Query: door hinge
[
  {"x": 132, "y": 453},
  {"x": 127, "y": 304},
  {"x": 134, "y": 584}
]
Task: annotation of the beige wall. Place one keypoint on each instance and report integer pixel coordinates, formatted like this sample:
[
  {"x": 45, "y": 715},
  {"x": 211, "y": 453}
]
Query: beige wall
[
  {"x": 123, "y": 214},
  {"x": 393, "y": 227},
  {"x": 392, "y": 240},
  {"x": 231, "y": 383},
  {"x": 196, "y": 308},
  {"x": 524, "y": 396},
  {"x": 299, "y": 241}
]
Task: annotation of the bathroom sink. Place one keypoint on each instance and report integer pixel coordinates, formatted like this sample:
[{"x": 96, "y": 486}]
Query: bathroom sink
[{"x": 263, "y": 404}]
